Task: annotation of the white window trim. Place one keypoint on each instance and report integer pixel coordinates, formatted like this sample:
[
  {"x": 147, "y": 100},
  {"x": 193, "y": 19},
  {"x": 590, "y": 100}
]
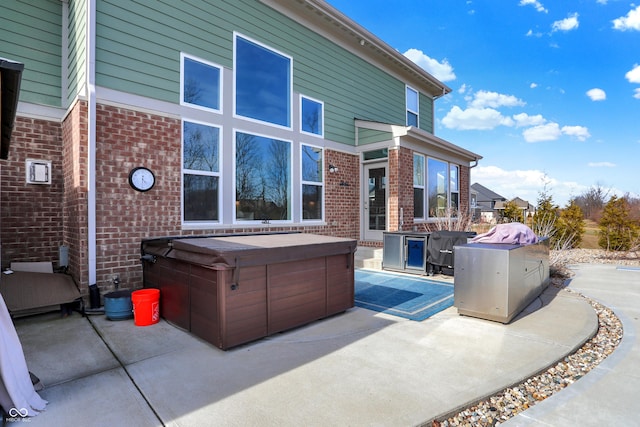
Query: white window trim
[
  {"x": 267, "y": 47},
  {"x": 406, "y": 103},
  {"x": 184, "y": 55},
  {"x": 315, "y": 135},
  {"x": 219, "y": 174},
  {"x": 318, "y": 184},
  {"x": 293, "y": 202}
]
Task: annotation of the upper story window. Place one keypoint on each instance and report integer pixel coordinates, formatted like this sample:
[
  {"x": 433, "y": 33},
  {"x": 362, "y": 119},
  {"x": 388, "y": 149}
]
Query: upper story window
[
  {"x": 412, "y": 107},
  {"x": 418, "y": 186},
  {"x": 201, "y": 83},
  {"x": 311, "y": 116},
  {"x": 263, "y": 178},
  {"x": 312, "y": 182},
  {"x": 263, "y": 82},
  {"x": 200, "y": 172}
]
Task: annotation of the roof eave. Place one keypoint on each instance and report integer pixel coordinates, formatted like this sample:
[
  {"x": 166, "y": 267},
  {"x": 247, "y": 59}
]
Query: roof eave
[{"x": 357, "y": 38}]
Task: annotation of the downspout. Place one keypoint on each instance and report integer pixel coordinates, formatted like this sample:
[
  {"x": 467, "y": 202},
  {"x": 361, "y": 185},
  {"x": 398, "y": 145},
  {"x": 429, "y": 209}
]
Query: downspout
[{"x": 91, "y": 137}]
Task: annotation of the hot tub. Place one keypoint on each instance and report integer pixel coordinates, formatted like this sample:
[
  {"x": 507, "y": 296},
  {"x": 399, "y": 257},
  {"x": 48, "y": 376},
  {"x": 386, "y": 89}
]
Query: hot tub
[{"x": 231, "y": 290}]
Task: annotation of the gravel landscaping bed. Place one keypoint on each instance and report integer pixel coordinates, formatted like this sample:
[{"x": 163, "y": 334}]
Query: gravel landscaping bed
[{"x": 506, "y": 404}]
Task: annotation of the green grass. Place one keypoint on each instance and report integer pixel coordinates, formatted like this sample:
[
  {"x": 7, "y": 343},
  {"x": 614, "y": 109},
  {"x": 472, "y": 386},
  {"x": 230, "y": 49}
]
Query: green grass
[{"x": 590, "y": 237}]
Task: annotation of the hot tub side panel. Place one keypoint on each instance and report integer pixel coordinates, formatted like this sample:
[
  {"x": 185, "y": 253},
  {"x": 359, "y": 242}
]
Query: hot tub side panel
[
  {"x": 244, "y": 307},
  {"x": 172, "y": 278},
  {"x": 205, "y": 311},
  {"x": 297, "y": 293},
  {"x": 340, "y": 283}
]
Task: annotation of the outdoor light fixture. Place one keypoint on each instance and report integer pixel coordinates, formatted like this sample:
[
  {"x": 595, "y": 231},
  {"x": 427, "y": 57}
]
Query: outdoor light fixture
[{"x": 332, "y": 169}]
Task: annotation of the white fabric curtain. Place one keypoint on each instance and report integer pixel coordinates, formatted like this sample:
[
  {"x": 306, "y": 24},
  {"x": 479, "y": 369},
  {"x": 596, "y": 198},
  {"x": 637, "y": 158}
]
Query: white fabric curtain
[{"x": 18, "y": 397}]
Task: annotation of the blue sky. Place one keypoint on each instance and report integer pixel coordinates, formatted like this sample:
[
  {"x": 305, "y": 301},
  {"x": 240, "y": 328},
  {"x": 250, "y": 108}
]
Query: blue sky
[{"x": 548, "y": 92}]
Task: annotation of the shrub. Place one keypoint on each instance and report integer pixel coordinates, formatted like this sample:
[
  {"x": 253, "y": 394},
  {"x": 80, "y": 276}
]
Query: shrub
[{"x": 617, "y": 231}]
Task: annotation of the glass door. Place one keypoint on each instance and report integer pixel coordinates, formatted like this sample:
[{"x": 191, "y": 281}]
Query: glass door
[{"x": 375, "y": 201}]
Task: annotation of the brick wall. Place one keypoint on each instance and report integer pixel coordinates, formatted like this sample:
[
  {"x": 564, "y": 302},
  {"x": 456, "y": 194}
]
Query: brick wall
[
  {"x": 31, "y": 215},
  {"x": 74, "y": 166},
  {"x": 37, "y": 219},
  {"x": 342, "y": 201},
  {"x": 400, "y": 189}
]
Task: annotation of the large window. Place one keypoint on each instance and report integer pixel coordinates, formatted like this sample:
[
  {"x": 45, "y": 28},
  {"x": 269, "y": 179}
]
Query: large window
[
  {"x": 312, "y": 186},
  {"x": 418, "y": 186},
  {"x": 263, "y": 178},
  {"x": 437, "y": 196},
  {"x": 201, "y": 83},
  {"x": 455, "y": 191},
  {"x": 412, "y": 107},
  {"x": 438, "y": 185},
  {"x": 201, "y": 172},
  {"x": 262, "y": 83},
  {"x": 311, "y": 116}
]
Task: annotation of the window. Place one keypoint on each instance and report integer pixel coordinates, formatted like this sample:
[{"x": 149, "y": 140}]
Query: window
[
  {"x": 200, "y": 83},
  {"x": 312, "y": 186},
  {"x": 383, "y": 153},
  {"x": 438, "y": 184},
  {"x": 418, "y": 186},
  {"x": 474, "y": 200},
  {"x": 455, "y": 192},
  {"x": 412, "y": 107},
  {"x": 201, "y": 172},
  {"x": 263, "y": 178},
  {"x": 262, "y": 83},
  {"x": 311, "y": 116}
]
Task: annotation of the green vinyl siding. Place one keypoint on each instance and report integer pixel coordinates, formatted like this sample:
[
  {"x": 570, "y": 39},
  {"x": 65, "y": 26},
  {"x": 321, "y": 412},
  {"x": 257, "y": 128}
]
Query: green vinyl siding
[
  {"x": 426, "y": 113},
  {"x": 31, "y": 32},
  {"x": 369, "y": 136},
  {"x": 77, "y": 49},
  {"x": 139, "y": 45}
]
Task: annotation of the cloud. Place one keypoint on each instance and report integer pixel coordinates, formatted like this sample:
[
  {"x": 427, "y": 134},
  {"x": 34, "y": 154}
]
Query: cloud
[
  {"x": 535, "y": 3},
  {"x": 526, "y": 184},
  {"x": 533, "y": 85},
  {"x": 596, "y": 94},
  {"x": 483, "y": 98},
  {"x": 636, "y": 93},
  {"x": 442, "y": 71},
  {"x": 634, "y": 75},
  {"x": 475, "y": 119},
  {"x": 579, "y": 132},
  {"x": 601, "y": 165},
  {"x": 525, "y": 120},
  {"x": 462, "y": 88},
  {"x": 567, "y": 24},
  {"x": 545, "y": 132},
  {"x": 629, "y": 22}
]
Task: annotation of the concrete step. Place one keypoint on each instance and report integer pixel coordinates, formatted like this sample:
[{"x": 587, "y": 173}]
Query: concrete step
[{"x": 366, "y": 257}]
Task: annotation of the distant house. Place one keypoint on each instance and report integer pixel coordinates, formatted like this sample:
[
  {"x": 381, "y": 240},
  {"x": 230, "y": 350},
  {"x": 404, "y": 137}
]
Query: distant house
[
  {"x": 484, "y": 205},
  {"x": 526, "y": 207},
  {"x": 249, "y": 116}
]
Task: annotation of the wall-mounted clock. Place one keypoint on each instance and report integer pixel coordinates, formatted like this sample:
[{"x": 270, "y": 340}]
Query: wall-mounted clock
[{"x": 141, "y": 179}]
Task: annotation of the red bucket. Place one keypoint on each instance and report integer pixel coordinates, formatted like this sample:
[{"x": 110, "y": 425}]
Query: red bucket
[{"x": 146, "y": 306}]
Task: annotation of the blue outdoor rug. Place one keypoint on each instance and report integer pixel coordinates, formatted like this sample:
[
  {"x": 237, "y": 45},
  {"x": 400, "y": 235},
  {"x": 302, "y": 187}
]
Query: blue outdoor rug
[{"x": 414, "y": 298}]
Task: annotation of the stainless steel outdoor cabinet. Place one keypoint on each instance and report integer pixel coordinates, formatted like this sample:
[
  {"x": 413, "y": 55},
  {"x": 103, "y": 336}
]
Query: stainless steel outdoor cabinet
[{"x": 497, "y": 281}]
